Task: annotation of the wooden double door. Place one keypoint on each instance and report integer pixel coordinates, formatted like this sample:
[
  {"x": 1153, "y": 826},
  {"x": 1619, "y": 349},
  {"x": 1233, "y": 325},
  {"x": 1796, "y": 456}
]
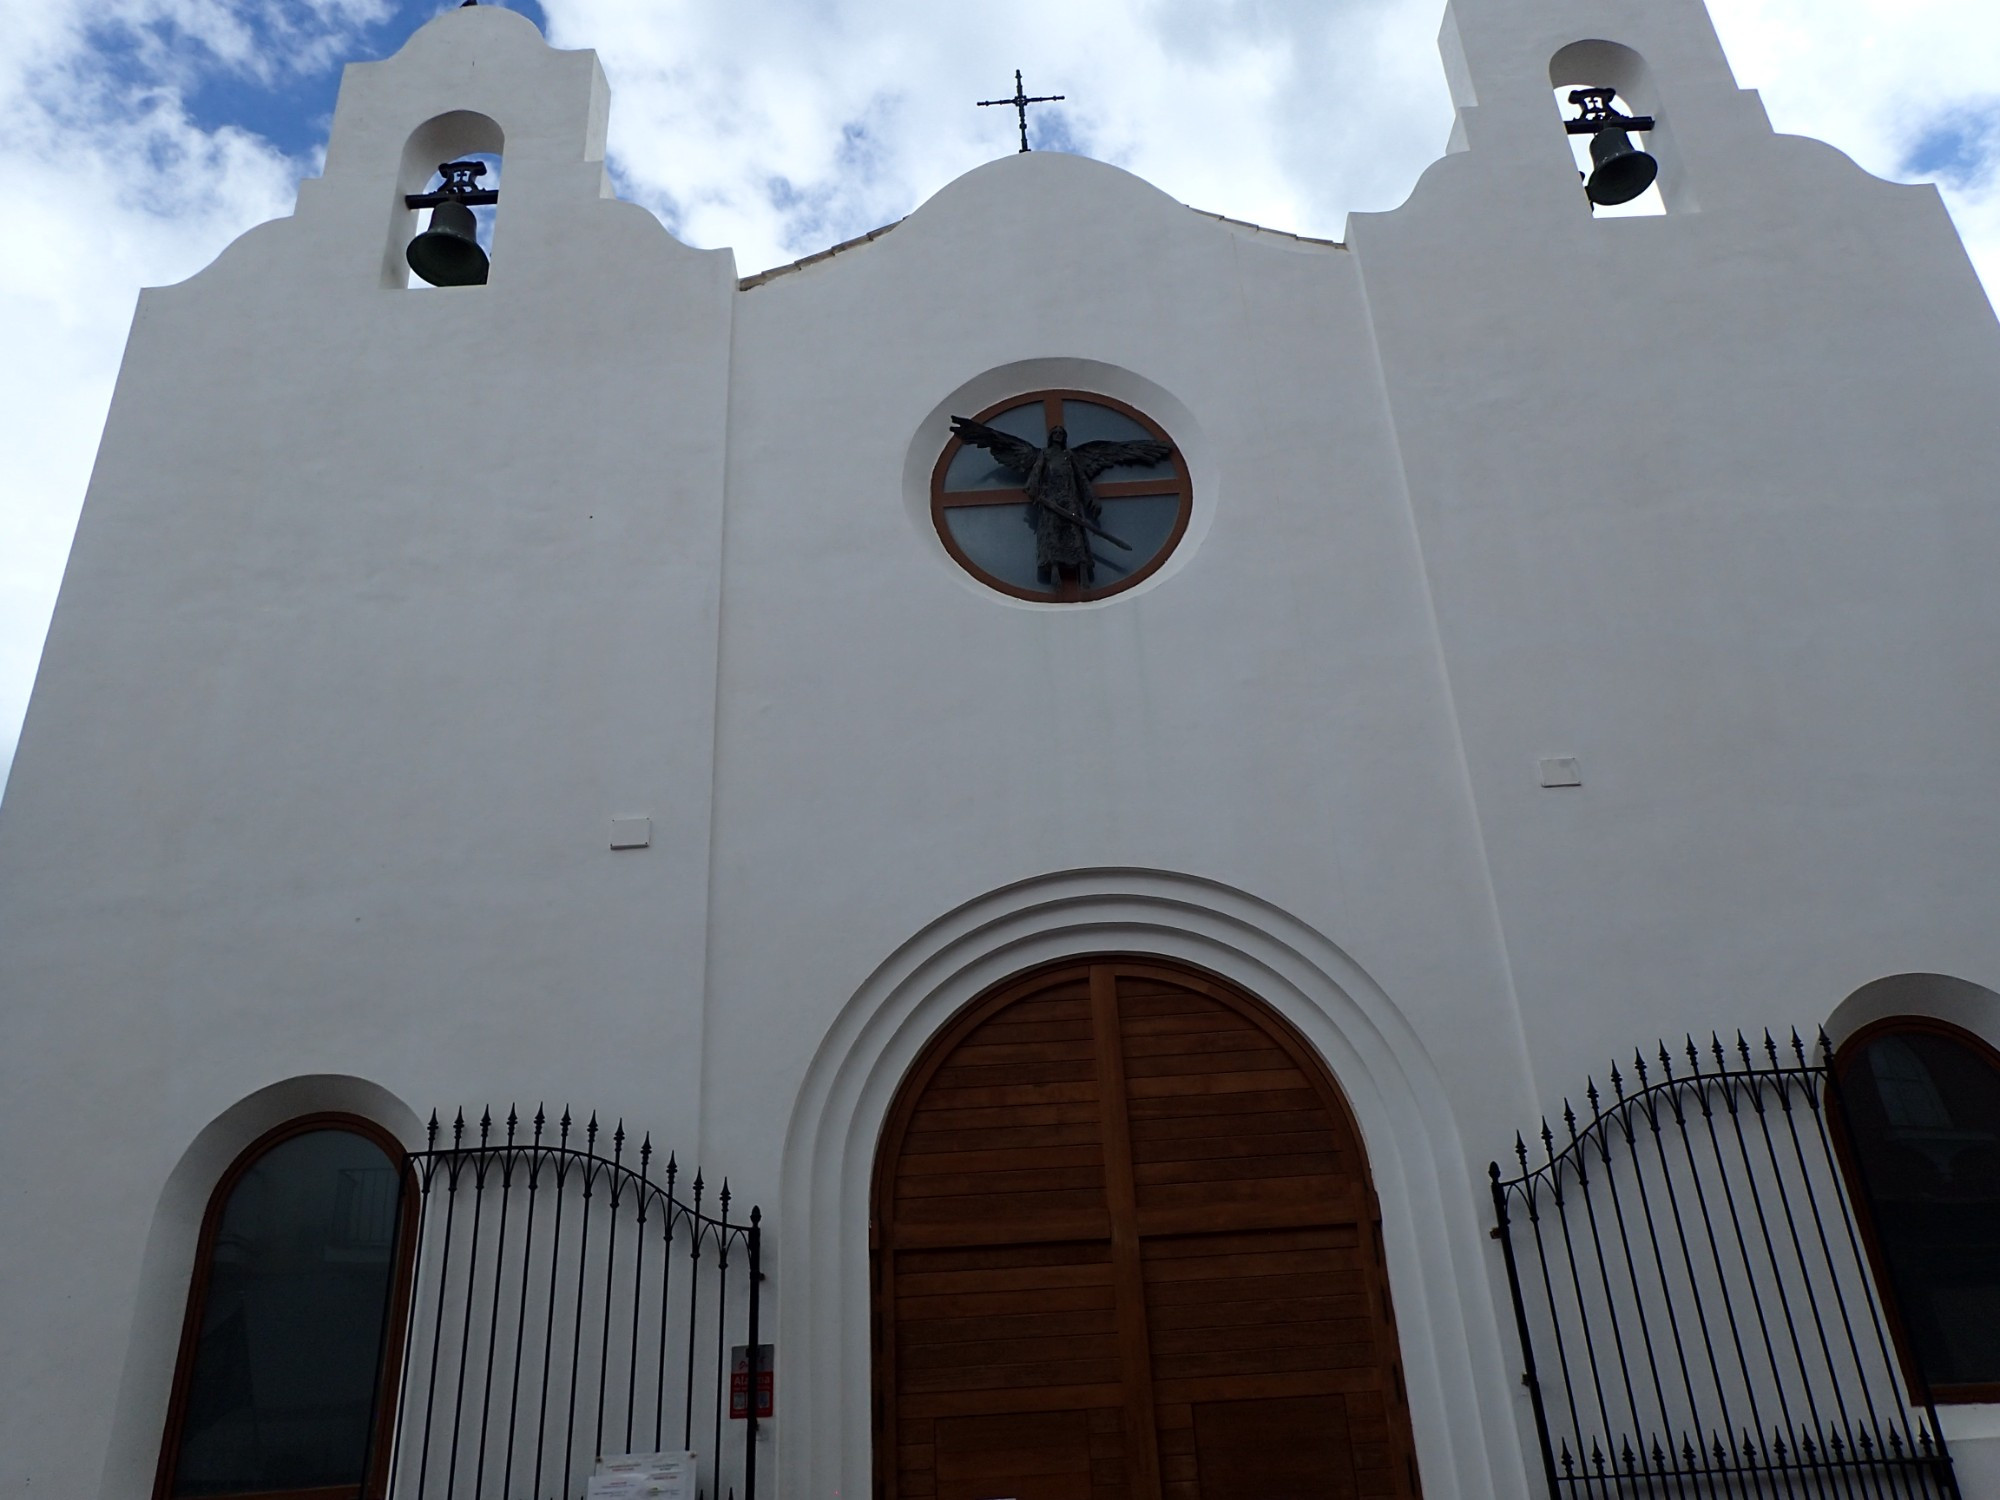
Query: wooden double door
[{"x": 1126, "y": 1248}]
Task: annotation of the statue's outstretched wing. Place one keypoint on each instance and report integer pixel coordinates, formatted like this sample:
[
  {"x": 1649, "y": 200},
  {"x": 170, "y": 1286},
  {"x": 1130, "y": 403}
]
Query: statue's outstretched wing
[
  {"x": 1012, "y": 452},
  {"x": 1095, "y": 458}
]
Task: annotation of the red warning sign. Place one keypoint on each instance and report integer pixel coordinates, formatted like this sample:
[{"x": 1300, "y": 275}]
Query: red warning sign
[{"x": 741, "y": 1383}]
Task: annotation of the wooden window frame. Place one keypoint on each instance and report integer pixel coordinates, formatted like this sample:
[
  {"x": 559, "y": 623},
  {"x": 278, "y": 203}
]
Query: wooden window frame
[
  {"x": 1845, "y": 1057},
  {"x": 1068, "y": 590},
  {"x": 374, "y": 1480}
]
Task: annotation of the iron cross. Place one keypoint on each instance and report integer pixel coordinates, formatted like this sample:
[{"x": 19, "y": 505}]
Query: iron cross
[{"x": 1021, "y": 101}]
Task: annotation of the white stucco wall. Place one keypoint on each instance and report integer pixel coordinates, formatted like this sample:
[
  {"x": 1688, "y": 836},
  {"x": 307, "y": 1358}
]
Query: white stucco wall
[{"x": 385, "y": 602}]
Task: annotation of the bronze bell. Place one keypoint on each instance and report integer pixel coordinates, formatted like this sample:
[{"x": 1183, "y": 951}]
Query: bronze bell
[
  {"x": 448, "y": 253},
  {"x": 1622, "y": 171}
]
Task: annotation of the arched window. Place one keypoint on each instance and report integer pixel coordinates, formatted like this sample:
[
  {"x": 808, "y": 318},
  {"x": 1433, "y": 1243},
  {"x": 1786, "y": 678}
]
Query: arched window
[
  {"x": 287, "y": 1338},
  {"x": 1921, "y": 1104}
]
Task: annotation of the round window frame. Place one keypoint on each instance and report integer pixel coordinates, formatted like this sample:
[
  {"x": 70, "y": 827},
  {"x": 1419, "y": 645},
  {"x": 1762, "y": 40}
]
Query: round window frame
[{"x": 1068, "y": 590}]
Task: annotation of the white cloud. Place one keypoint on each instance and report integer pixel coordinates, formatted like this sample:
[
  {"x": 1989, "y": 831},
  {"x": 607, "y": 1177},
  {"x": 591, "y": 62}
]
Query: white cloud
[
  {"x": 109, "y": 186},
  {"x": 1874, "y": 77},
  {"x": 777, "y": 127},
  {"x": 781, "y": 126}
]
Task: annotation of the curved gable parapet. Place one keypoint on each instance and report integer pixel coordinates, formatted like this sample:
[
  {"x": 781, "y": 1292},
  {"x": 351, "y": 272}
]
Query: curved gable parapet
[{"x": 1045, "y": 202}]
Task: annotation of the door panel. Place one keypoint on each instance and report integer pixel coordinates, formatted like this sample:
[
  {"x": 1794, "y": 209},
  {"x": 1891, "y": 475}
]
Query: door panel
[{"x": 1126, "y": 1249}]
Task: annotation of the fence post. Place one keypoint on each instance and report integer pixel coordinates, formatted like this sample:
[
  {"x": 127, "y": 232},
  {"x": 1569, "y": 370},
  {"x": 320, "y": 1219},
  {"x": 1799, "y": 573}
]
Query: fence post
[
  {"x": 754, "y": 1243},
  {"x": 1502, "y": 1233}
]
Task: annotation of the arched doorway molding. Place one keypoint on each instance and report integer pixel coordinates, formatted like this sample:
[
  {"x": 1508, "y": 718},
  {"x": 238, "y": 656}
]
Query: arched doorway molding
[
  {"x": 1461, "y": 1378},
  {"x": 160, "y": 1304},
  {"x": 1942, "y": 997}
]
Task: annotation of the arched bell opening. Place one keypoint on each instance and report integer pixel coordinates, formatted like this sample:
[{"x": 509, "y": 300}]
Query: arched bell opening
[
  {"x": 447, "y": 194},
  {"x": 1125, "y": 1242},
  {"x": 1604, "y": 96}
]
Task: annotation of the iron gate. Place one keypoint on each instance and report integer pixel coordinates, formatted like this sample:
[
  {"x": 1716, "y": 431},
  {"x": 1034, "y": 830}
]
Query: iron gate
[
  {"x": 565, "y": 1303},
  {"x": 1695, "y": 1305}
]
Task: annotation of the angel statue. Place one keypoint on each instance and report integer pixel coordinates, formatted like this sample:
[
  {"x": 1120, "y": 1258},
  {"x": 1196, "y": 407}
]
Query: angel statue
[{"x": 1057, "y": 478}]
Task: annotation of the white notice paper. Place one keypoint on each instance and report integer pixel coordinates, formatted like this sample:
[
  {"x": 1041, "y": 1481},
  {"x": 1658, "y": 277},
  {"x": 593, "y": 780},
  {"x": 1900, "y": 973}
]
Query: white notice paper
[{"x": 643, "y": 1476}]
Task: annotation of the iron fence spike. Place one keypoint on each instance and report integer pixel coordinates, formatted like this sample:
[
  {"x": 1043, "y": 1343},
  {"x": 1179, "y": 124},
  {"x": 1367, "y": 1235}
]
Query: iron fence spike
[
  {"x": 457, "y": 1130},
  {"x": 756, "y": 1216},
  {"x": 1590, "y": 1094},
  {"x": 1617, "y": 1082},
  {"x": 1895, "y": 1442},
  {"x": 485, "y": 1125},
  {"x": 431, "y": 1130},
  {"x": 1770, "y": 1047}
]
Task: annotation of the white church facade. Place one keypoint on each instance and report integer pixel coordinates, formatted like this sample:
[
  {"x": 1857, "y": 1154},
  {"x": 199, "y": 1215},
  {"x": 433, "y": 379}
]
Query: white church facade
[{"x": 1098, "y": 763}]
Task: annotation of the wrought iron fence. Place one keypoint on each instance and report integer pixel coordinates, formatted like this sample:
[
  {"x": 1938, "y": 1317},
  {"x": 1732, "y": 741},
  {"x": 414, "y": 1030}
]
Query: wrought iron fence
[
  {"x": 1695, "y": 1304},
  {"x": 568, "y": 1303}
]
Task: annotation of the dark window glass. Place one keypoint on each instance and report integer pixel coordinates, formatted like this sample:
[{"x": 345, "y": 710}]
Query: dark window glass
[
  {"x": 1923, "y": 1109},
  {"x": 297, "y": 1281}
]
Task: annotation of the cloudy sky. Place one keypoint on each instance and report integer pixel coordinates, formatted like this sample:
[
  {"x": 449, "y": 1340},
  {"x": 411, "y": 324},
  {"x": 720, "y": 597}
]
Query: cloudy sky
[{"x": 137, "y": 137}]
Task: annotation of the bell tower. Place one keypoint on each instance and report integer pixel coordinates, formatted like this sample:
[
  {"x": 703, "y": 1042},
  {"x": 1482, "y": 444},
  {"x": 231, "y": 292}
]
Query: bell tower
[
  {"x": 1636, "y": 450},
  {"x": 1662, "y": 57}
]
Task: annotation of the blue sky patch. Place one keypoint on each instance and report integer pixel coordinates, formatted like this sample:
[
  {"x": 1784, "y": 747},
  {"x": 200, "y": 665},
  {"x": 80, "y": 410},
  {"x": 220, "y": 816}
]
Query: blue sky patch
[
  {"x": 1051, "y": 130},
  {"x": 1959, "y": 147},
  {"x": 287, "y": 98}
]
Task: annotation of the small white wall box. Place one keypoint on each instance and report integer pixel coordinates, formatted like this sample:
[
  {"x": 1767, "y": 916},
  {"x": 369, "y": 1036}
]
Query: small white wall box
[
  {"x": 631, "y": 833},
  {"x": 1560, "y": 770}
]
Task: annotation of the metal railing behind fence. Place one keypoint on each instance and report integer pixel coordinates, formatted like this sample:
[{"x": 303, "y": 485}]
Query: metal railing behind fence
[
  {"x": 1695, "y": 1305},
  {"x": 567, "y": 1302}
]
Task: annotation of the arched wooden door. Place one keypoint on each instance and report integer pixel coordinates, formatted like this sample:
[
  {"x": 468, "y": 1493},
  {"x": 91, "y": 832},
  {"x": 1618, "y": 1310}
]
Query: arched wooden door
[{"x": 1126, "y": 1248}]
